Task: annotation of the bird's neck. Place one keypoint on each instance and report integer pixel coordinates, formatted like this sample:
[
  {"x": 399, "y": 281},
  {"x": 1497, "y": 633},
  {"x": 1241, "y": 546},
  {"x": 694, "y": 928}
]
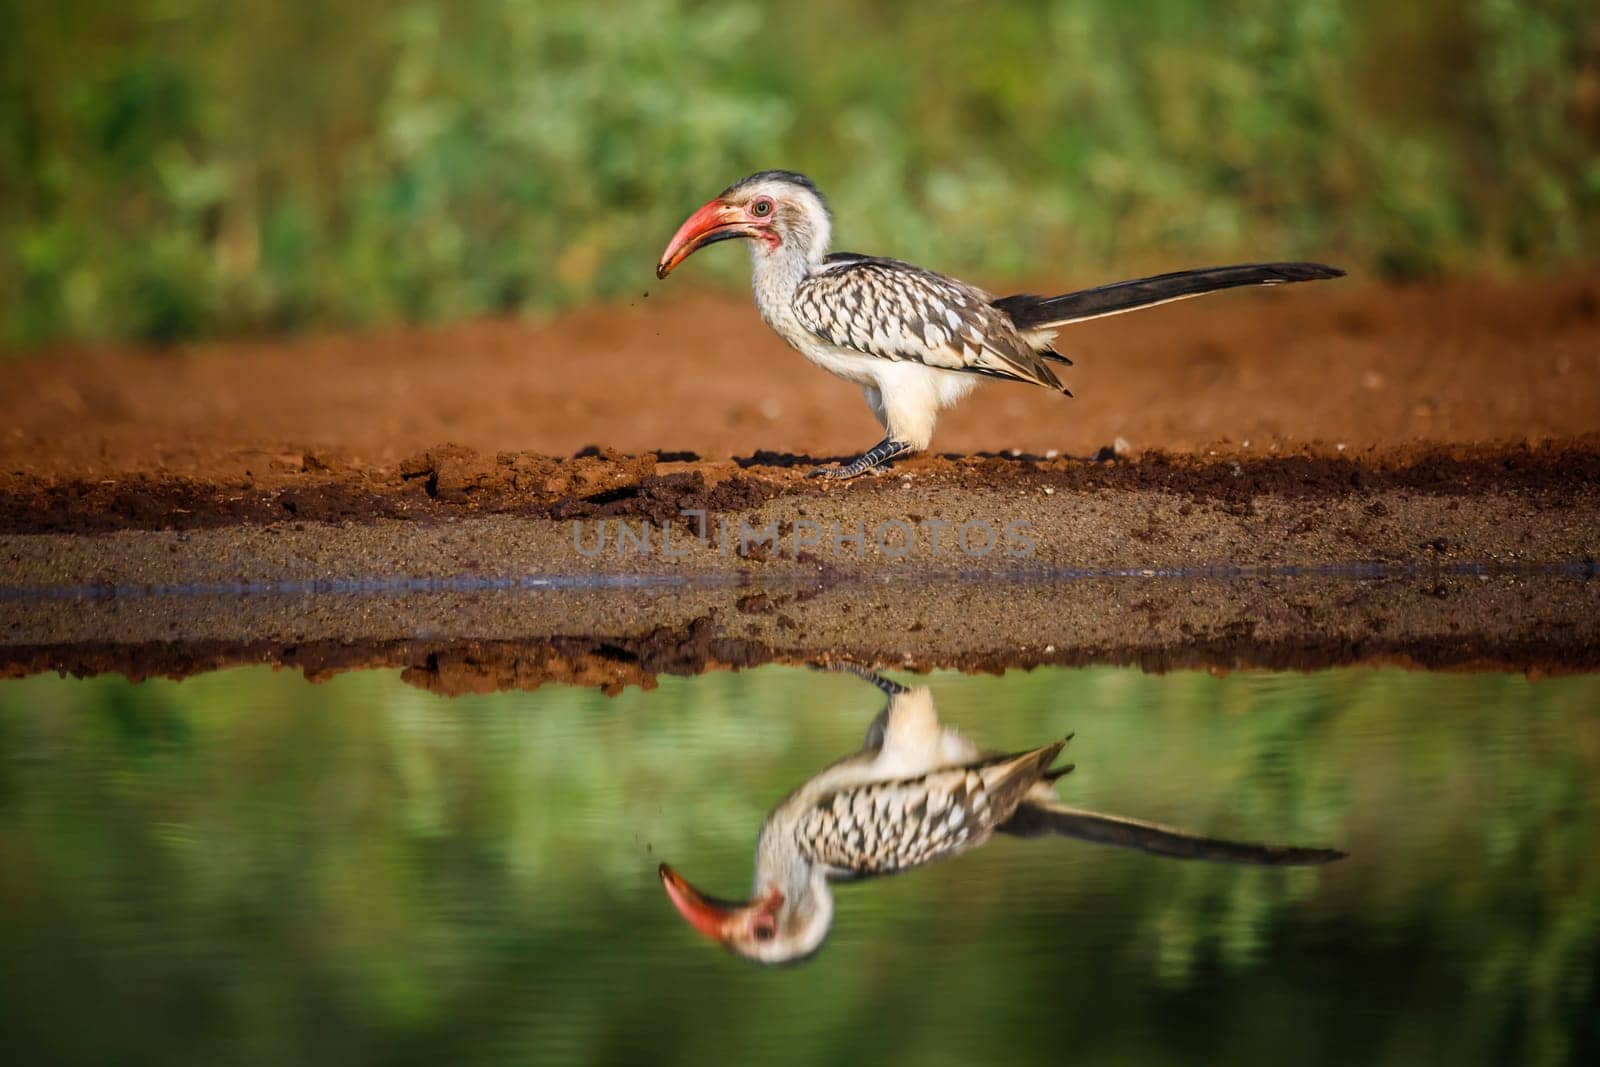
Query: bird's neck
[
  {"x": 808, "y": 896},
  {"x": 775, "y": 273}
]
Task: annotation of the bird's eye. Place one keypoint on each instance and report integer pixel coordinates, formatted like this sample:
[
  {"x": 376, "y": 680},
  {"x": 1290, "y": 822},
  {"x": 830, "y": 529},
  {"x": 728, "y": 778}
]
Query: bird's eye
[
  {"x": 764, "y": 931},
  {"x": 763, "y": 208}
]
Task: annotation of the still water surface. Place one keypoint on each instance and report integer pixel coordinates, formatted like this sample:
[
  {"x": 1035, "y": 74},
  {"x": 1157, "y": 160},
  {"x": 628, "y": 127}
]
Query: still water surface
[{"x": 249, "y": 868}]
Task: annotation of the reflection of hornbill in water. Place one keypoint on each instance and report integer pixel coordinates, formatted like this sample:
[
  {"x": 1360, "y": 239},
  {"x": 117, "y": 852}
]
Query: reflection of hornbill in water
[{"x": 916, "y": 792}]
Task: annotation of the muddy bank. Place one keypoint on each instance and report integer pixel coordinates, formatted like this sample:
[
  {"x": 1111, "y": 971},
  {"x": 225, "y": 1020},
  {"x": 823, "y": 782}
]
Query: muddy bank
[
  {"x": 453, "y": 642},
  {"x": 996, "y": 517},
  {"x": 504, "y": 503},
  {"x": 1472, "y": 558},
  {"x": 452, "y": 481}
]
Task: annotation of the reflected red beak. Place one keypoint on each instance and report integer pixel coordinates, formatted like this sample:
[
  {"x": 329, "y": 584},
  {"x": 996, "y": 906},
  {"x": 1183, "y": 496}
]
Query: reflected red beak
[
  {"x": 713, "y": 918},
  {"x": 714, "y": 222}
]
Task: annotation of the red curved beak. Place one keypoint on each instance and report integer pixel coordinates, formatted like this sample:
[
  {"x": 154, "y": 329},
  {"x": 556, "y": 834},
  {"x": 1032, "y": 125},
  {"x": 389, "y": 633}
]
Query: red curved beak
[
  {"x": 720, "y": 920},
  {"x": 713, "y": 918},
  {"x": 714, "y": 222}
]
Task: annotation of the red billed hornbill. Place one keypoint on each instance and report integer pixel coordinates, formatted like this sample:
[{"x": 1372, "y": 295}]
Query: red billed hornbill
[
  {"x": 916, "y": 792},
  {"x": 915, "y": 341}
]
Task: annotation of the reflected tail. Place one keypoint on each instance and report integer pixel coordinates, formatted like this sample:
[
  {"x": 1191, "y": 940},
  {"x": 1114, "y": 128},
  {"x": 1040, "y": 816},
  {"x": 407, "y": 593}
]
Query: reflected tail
[{"x": 1035, "y": 819}]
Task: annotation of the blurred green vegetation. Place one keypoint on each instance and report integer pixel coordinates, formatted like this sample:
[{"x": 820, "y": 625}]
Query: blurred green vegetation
[
  {"x": 247, "y": 868},
  {"x": 174, "y": 168}
]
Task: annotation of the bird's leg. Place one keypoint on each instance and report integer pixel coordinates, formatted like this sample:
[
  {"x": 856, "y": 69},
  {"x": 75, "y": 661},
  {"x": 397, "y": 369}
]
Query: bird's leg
[
  {"x": 866, "y": 674},
  {"x": 876, "y": 456}
]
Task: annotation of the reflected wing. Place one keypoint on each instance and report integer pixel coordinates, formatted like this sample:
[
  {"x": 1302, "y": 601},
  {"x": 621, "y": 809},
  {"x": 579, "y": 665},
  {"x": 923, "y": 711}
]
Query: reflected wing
[
  {"x": 1034, "y": 819},
  {"x": 890, "y": 309},
  {"x": 889, "y": 826}
]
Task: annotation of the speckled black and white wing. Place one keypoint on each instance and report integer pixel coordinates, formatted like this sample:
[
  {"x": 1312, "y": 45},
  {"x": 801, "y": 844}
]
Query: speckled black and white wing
[
  {"x": 892, "y": 310},
  {"x": 890, "y": 826}
]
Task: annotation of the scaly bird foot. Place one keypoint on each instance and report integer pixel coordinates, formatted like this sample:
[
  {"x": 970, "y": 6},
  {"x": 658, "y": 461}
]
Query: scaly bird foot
[
  {"x": 870, "y": 460},
  {"x": 866, "y": 674}
]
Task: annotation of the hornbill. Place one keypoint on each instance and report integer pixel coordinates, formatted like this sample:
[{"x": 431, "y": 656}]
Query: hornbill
[
  {"x": 913, "y": 340},
  {"x": 916, "y": 792}
]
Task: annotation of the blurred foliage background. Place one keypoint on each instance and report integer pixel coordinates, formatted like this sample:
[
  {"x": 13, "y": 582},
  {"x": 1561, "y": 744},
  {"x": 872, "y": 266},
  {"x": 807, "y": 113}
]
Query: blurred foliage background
[
  {"x": 246, "y": 868},
  {"x": 175, "y": 168}
]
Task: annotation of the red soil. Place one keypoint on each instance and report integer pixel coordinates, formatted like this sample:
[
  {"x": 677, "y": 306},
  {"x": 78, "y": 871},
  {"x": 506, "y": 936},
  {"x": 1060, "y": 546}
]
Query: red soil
[{"x": 1330, "y": 364}]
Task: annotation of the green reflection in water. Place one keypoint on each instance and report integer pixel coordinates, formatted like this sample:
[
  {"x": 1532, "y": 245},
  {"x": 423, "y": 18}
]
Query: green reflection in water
[{"x": 247, "y": 868}]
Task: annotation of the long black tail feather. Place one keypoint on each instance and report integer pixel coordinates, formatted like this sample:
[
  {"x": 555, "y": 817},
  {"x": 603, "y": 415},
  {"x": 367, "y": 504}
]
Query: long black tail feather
[
  {"x": 1035, "y": 819},
  {"x": 1034, "y": 312}
]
